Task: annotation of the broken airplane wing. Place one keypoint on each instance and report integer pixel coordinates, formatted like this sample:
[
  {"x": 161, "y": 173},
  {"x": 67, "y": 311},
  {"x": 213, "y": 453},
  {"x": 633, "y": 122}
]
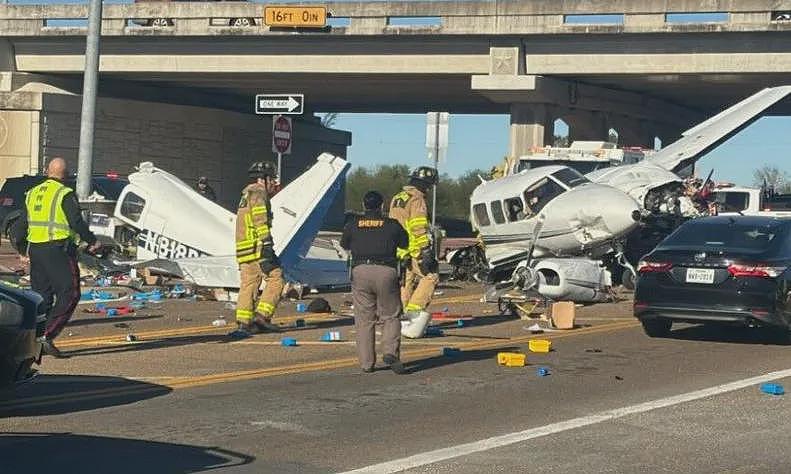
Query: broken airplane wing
[{"x": 705, "y": 136}]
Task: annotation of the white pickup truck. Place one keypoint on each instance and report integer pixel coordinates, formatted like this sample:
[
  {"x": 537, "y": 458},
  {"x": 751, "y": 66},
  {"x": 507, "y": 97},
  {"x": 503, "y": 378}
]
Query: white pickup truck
[{"x": 751, "y": 201}]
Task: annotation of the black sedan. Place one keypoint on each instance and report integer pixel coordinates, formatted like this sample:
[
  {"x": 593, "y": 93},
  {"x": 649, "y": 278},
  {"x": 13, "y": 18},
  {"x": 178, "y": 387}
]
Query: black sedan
[{"x": 718, "y": 270}]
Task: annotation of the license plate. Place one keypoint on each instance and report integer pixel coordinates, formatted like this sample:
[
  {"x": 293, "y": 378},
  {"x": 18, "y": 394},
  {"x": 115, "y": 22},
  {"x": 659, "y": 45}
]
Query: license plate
[{"x": 700, "y": 275}]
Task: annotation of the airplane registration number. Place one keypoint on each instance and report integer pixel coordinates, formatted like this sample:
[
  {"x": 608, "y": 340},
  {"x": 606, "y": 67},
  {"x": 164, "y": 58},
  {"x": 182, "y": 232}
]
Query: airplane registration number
[{"x": 700, "y": 275}]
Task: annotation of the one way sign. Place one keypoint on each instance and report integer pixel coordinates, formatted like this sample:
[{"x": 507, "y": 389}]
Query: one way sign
[{"x": 279, "y": 104}]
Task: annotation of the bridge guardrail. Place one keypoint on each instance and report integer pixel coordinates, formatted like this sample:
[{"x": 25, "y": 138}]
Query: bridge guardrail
[{"x": 423, "y": 17}]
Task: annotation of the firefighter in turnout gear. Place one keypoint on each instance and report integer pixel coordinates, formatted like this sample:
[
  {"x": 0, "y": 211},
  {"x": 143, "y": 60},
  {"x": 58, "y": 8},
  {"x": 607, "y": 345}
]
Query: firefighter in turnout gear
[
  {"x": 255, "y": 253},
  {"x": 409, "y": 208}
]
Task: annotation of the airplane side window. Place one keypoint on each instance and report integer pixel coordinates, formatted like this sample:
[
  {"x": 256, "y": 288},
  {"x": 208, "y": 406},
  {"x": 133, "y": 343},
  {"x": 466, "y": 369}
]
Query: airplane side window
[
  {"x": 132, "y": 206},
  {"x": 497, "y": 212},
  {"x": 515, "y": 209},
  {"x": 539, "y": 195},
  {"x": 481, "y": 216}
]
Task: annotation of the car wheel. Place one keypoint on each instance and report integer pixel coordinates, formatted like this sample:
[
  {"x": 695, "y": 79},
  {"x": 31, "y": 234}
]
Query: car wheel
[
  {"x": 628, "y": 279},
  {"x": 240, "y": 22},
  {"x": 657, "y": 327},
  {"x": 160, "y": 22}
]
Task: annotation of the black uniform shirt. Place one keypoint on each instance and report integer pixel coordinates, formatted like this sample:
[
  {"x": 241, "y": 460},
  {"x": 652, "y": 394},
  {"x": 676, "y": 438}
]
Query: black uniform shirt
[{"x": 374, "y": 238}]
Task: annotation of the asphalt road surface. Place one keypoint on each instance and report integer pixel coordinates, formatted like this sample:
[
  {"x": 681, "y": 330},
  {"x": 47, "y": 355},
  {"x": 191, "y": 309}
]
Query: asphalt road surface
[{"x": 185, "y": 398}]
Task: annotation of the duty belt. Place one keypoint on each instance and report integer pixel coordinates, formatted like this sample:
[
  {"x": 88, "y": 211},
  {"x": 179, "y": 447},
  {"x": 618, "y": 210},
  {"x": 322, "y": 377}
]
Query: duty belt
[{"x": 393, "y": 263}]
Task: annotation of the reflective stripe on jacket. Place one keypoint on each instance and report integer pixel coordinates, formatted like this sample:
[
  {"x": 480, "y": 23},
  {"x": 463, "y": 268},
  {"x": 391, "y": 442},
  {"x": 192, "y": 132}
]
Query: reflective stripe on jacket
[
  {"x": 252, "y": 224},
  {"x": 409, "y": 208},
  {"x": 47, "y": 221}
]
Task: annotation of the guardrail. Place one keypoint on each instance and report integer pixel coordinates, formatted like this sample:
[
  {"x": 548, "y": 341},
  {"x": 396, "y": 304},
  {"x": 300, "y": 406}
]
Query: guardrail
[{"x": 423, "y": 17}]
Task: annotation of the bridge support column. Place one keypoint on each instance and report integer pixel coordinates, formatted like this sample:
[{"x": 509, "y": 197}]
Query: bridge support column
[
  {"x": 531, "y": 126},
  {"x": 587, "y": 126},
  {"x": 7, "y": 58}
]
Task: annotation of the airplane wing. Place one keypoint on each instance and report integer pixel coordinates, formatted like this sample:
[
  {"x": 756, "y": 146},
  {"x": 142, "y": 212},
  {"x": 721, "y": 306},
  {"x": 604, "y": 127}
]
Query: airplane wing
[{"x": 702, "y": 138}]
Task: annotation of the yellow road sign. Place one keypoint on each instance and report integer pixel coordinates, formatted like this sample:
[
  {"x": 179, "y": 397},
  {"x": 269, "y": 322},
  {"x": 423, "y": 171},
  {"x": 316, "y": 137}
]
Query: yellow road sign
[{"x": 294, "y": 16}]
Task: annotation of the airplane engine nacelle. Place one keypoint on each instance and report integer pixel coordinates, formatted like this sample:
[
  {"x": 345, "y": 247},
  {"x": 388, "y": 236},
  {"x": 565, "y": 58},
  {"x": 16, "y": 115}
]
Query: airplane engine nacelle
[{"x": 574, "y": 279}]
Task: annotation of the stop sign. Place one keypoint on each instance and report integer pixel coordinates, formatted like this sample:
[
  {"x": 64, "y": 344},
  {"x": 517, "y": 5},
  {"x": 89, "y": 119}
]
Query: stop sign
[{"x": 281, "y": 135}]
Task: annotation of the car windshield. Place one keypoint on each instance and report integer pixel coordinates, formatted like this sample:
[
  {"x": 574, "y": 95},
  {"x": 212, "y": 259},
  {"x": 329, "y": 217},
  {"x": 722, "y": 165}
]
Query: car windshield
[
  {"x": 570, "y": 177},
  {"x": 732, "y": 236}
]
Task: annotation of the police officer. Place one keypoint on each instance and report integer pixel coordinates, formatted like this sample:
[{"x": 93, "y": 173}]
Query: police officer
[
  {"x": 409, "y": 208},
  {"x": 255, "y": 253},
  {"x": 53, "y": 220},
  {"x": 373, "y": 240}
]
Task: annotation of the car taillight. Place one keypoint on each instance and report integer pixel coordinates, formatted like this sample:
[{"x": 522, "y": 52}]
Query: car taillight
[
  {"x": 112, "y": 175},
  {"x": 653, "y": 267},
  {"x": 756, "y": 270}
]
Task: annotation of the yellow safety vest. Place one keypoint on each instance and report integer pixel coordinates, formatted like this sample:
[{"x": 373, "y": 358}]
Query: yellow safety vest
[{"x": 46, "y": 220}]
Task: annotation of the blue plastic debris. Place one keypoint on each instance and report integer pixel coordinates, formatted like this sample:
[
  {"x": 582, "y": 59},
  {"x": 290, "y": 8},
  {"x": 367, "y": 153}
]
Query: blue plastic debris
[
  {"x": 461, "y": 323},
  {"x": 772, "y": 388},
  {"x": 301, "y": 307},
  {"x": 288, "y": 342},
  {"x": 239, "y": 334},
  {"x": 101, "y": 306},
  {"x": 133, "y": 304},
  {"x": 434, "y": 331},
  {"x": 112, "y": 312},
  {"x": 542, "y": 371},
  {"x": 331, "y": 336},
  {"x": 451, "y": 351}
]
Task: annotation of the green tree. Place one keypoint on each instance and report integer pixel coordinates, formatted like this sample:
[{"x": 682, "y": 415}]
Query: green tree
[
  {"x": 453, "y": 194},
  {"x": 772, "y": 176}
]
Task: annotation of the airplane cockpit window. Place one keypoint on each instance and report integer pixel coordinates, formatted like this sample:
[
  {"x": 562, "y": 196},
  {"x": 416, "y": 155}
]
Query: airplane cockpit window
[
  {"x": 132, "y": 206},
  {"x": 497, "y": 212},
  {"x": 570, "y": 177},
  {"x": 539, "y": 194},
  {"x": 481, "y": 216},
  {"x": 515, "y": 209}
]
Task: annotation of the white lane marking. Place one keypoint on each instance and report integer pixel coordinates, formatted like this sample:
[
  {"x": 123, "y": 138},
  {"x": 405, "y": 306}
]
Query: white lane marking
[{"x": 452, "y": 452}]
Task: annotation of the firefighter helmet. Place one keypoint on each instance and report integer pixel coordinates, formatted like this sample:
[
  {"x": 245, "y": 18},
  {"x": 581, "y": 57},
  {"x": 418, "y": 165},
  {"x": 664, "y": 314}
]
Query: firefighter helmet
[
  {"x": 426, "y": 174},
  {"x": 262, "y": 169}
]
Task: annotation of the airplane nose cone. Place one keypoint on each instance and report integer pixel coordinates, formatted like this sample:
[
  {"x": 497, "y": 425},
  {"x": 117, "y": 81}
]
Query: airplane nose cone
[
  {"x": 598, "y": 214},
  {"x": 621, "y": 213}
]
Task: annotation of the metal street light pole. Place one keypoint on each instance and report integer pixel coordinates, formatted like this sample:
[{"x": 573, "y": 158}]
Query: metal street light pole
[{"x": 89, "y": 89}]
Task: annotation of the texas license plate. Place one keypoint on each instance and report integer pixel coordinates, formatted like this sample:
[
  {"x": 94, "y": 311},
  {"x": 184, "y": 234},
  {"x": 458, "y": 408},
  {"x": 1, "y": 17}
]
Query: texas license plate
[{"x": 700, "y": 275}]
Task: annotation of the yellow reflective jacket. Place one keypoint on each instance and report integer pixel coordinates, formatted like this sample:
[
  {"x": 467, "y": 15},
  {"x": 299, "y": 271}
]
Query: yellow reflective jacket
[
  {"x": 252, "y": 224},
  {"x": 409, "y": 208},
  {"x": 47, "y": 221}
]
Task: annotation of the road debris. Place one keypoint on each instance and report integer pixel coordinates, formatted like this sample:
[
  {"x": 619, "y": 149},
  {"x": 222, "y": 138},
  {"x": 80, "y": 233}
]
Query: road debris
[
  {"x": 542, "y": 371},
  {"x": 288, "y": 342},
  {"x": 331, "y": 336},
  {"x": 772, "y": 389},
  {"x": 511, "y": 359},
  {"x": 131, "y": 338},
  {"x": 539, "y": 345},
  {"x": 220, "y": 322},
  {"x": 451, "y": 351}
]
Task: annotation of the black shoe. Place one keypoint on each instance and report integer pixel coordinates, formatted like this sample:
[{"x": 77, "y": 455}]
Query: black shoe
[
  {"x": 394, "y": 363},
  {"x": 48, "y": 348},
  {"x": 368, "y": 370},
  {"x": 265, "y": 324}
]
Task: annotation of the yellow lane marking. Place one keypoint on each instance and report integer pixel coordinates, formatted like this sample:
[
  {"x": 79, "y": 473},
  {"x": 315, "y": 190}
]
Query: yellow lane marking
[
  {"x": 190, "y": 382},
  {"x": 408, "y": 355},
  {"x": 192, "y": 330}
]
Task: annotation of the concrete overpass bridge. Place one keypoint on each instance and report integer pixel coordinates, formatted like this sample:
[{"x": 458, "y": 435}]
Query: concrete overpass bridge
[{"x": 642, "y": 72}]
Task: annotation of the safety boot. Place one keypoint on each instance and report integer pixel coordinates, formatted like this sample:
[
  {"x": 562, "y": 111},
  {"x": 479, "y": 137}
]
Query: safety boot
[
  {"x": 243, "y": 330},
  {"x": 265, "y": 324},
  {"x": 394, "y": 363}
]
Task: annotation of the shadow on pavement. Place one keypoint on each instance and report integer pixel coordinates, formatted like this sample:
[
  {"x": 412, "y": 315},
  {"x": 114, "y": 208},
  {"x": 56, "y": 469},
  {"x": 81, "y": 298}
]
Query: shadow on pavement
[
  {"x": 59, "y": 394},
  {"x": 731, "y": 334},
  {"x": 112, "y": 320},
  {"x": 67, "y": 452},
  {"x": 463, "y": 356}
]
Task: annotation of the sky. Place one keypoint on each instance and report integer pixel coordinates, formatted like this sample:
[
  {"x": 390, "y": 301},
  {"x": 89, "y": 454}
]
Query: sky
[{"x": 480, "y": 141}]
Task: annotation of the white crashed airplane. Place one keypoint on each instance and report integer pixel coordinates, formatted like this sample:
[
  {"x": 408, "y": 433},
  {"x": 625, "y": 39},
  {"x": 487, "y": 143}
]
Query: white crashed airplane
[
  {"x": 192, "y": 236},
  {"x": 560, "y": 233}
]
